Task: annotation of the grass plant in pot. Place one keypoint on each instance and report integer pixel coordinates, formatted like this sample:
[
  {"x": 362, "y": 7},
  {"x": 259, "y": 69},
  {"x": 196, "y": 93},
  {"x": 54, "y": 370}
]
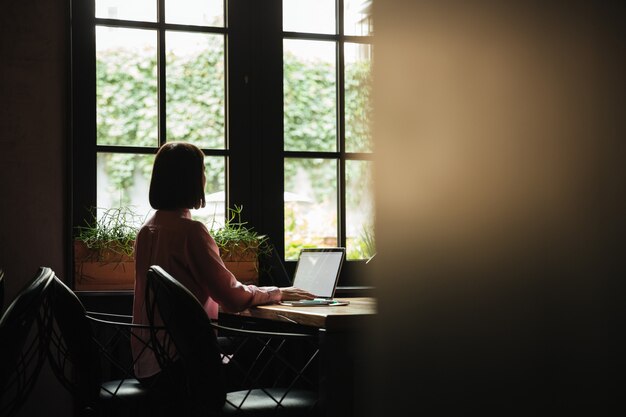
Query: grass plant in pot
[
  {"x": 240, "y": 246},
  {"x": 103, "y": 251}
]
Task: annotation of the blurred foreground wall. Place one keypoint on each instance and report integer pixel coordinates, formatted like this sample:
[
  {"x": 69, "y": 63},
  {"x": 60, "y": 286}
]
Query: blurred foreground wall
[{"x": 499, "y": 182}]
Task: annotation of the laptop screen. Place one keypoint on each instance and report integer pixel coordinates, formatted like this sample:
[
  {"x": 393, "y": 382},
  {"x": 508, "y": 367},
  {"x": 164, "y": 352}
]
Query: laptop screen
[{"x": 318, "y": 270}]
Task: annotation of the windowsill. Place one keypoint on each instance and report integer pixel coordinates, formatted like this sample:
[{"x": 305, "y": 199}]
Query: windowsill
[{"x": 355, "y": 291}]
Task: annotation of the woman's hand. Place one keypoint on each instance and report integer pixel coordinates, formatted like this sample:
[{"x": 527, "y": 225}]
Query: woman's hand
[{"x": 294, "y": 294}]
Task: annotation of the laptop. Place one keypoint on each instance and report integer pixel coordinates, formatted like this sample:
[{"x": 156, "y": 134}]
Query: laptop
[{"x": 317, "y": 272}]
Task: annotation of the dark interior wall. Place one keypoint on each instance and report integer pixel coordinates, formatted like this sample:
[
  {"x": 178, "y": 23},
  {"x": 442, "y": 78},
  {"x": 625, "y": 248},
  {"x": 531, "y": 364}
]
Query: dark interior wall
[
  {"x": 499, "y": 182},
  {"x": 33, "y": 140},
  {"x": 33, "y": 137}
]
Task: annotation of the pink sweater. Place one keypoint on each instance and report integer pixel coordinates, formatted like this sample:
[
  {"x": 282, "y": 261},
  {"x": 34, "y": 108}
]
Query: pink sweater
[{"x": 185, "y": 249}]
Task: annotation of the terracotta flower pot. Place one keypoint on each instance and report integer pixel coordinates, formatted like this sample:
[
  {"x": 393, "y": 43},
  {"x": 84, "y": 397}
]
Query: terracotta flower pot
[
  {"x": 98, "y": 270},
  {"x": 243, "y": 262}
]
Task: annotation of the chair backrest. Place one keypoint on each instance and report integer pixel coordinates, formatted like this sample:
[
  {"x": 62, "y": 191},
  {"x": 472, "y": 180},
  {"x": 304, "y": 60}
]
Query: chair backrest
[
  {"x": 24, "y": 330},
  {"x": 90, "y": 355},
  {"x": 194, "y": 339},
  {"x": 1, "y": 291},
  {"x": 72, "y": 354}
]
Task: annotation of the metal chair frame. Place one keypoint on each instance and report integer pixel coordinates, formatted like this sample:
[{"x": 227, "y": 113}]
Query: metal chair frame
[
  {"x": 24, "y": 334},
  {"x": 253, "y": 386},
  {"x": 119, "y": 370},
  {"x": 89, "y": 353},
  {"x": 1, "y": 291},
  {"x": 274, "y": 346}
]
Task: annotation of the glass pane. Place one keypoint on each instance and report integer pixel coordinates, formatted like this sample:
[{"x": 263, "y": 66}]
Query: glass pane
[
  {"x": 357, "y": 17},
  {"x": 124, "y": 180},
  {"x": 311, "y": 16},
  {"x": 310, "y": 204},
  {"x": 359, "y": 210},
  {"x": 127, "y": 9},
  {"x": 195, "y": 12},
  {"x": 358, "y": 96},
  {"x": 213, "y": 214},
  {"x": 195, "y": 88},
  {"x": 310, "y": 98},
  {"x": 126, "y": 87}
]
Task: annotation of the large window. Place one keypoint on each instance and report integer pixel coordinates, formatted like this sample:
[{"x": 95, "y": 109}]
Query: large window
[
  {"x": 275, "y": 93},
  {"x": 159, "y": 77},
  {"x": 327, "y": 139}
]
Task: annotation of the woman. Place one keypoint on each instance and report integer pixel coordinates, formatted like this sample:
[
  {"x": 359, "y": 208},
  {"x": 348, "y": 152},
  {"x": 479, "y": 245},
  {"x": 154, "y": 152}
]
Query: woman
[{"x": 184, "y": 247}]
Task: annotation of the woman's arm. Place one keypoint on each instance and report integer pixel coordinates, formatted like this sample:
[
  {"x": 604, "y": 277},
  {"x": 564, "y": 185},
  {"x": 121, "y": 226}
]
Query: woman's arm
[{"x": 221, "y": 285}]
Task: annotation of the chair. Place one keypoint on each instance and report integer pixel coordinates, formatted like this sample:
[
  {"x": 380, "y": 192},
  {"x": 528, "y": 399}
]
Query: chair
[
  {"x": 1, "y": 291},
  {"x": 23, "y": 341},
  {"x": 90, "y": 355},
  {"x": 207, "y": 391}
]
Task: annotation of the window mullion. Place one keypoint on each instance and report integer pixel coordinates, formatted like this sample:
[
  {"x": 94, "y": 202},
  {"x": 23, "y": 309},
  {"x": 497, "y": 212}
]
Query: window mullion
[
  {"x": 341, "y": 166},
  {"x": 83, "y": 112},
  {"x": 162, "y": 84}
]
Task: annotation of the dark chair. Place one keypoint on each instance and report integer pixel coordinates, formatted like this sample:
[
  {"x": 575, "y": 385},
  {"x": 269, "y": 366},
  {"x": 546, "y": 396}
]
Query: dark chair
[
  {"x": 91, "y": 357},
  {"x": 1, "y": 291},
  {"x": 206, "y": 390},
  {"x": 23, "y": 342}
]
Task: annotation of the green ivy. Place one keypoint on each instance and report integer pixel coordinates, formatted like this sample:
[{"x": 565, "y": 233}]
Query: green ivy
[{"x": 127, "y": 114}]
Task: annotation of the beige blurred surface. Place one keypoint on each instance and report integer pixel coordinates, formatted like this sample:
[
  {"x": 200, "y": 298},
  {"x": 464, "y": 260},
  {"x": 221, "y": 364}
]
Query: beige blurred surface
[{"x": 498, "y": 135}]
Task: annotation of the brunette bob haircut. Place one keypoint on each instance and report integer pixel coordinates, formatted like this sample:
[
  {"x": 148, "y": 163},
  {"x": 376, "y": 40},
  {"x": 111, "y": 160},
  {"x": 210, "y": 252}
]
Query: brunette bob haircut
[{"x": 177, "y": 177}]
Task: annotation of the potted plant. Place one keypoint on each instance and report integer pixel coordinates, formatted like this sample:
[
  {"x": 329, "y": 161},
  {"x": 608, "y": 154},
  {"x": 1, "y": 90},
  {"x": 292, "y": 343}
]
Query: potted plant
[
  {"x": 240, "y": 246},
  {"x": 103, "y": 251}
]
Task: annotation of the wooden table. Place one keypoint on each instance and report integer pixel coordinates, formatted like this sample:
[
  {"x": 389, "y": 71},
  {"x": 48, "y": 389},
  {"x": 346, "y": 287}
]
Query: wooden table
[
  {"x": 339, "y": 329},
  {"x": 338, "y": 318}
]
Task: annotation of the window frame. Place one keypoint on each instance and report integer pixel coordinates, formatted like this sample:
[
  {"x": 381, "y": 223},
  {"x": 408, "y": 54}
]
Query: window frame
[{"x": 254, "y": 150}]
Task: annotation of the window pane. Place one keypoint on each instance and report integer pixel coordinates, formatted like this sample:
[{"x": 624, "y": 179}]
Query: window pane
[
  {"x": 195, "y": 88},
  {"x": 310, "y": 204},
  {"x": 312, "y": 16},
  {"x": 124, "y": 180},
  {"x": 195, "y": 12},
  {"x": 358, "y": 96},
  {"x": 310, "y": 98},
  {"x": 358, "y": 17},
  {"x": 127, "y": 9},
  {"x": 126, "y": 87},
  {"x": 359, "y": 210},
  {"x": 213, "y": 214}
]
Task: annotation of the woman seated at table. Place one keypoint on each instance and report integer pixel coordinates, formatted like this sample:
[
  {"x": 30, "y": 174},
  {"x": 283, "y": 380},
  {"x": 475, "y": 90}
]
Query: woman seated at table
[{"x": 184, "y": 248}]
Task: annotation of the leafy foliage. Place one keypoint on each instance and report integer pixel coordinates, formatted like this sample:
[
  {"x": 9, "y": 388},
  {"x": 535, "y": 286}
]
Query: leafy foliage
[
  {"x": 358, "y": 105},
  {"x": 127, "y": 106},
  {"x": 309, "y": 105},
  {"x": 195, "y": 95},
  {"x": 115, "y": 229},
  {"x": 127, "y": 113},
  {"x": 310, "y": 119},
  {"x": 236, "y": 240}
]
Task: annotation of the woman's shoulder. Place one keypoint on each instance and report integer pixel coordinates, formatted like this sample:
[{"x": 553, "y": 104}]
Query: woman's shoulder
[
  {"x": 163, "y": 220},
  {"x": 197, "y": 234},
  {"x": 195, "y": 226}
]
